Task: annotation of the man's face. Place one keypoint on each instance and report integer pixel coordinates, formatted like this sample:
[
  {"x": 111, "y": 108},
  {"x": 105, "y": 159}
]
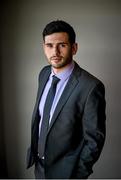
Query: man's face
[{"x": 58, "y": 50}]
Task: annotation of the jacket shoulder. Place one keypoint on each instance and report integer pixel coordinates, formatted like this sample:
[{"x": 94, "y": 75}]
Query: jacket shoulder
[
  {"x": 90, "y": 78},
  {"x": 86, "y": 79},
  {"x": 44, "y": 70},
  {"x": 87, "y": 76}
]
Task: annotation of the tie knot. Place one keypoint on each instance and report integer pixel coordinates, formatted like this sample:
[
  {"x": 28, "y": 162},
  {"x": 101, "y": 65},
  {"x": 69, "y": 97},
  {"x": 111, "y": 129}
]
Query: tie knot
[{"x": 55, "y": 80}]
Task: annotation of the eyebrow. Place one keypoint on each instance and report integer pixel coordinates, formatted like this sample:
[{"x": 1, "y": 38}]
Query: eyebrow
[{"x": 57, "y": 43}]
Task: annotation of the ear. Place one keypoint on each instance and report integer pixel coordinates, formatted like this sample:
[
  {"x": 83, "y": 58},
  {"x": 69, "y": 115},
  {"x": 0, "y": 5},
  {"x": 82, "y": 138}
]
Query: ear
[{"x": 74, "y": 48}]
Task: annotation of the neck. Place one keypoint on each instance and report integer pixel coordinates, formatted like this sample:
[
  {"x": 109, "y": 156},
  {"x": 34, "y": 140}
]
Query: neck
[{"x": 59, "y": 70}]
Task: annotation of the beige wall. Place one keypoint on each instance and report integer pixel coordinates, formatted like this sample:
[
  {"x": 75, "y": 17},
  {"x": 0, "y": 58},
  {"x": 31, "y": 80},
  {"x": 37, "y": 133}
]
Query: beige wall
[{"x": 96, "y": 23}]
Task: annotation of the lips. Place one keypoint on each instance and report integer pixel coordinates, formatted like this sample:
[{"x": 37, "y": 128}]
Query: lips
[{"x": 56, "y": 58}]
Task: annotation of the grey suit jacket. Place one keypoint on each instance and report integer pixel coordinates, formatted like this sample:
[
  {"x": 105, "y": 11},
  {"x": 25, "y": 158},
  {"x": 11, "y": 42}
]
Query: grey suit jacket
[{"x": 77, "y": 131}]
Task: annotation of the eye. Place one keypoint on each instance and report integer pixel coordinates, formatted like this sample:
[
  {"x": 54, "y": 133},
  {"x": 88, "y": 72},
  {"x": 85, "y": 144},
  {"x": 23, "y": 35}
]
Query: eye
[
  {"x": 49, "y": 45},
  {"x": 62, "y": 45}
]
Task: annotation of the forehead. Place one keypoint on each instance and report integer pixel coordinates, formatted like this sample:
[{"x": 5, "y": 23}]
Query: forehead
[{"x": 57, "y": 37}]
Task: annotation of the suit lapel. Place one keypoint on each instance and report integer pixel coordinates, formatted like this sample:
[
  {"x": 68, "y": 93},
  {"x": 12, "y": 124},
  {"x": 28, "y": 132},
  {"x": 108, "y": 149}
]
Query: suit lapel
[
  {"x": 36, "y": 118},
  {"x": 72, "y": 83},
  {"x": 42, "y": 84}
]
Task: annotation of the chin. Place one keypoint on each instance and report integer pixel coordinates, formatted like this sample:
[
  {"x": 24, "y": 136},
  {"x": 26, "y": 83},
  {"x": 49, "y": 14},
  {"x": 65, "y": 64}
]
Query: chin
[{"x": 56, "y": 65}]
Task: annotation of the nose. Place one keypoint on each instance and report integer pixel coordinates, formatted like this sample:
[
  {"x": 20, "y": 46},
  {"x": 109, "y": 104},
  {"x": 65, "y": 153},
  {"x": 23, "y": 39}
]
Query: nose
[{"x": 56, "y": 50}]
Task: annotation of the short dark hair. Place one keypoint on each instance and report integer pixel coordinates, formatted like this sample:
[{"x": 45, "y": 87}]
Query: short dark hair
[{"x": 60, "y": 26}]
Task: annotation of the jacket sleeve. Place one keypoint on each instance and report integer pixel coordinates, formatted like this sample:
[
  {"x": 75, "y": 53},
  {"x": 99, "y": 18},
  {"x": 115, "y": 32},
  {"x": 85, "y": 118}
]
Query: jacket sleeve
[
  {"x": 29, "y": 158},
  {"x": 94, "y": 130}
]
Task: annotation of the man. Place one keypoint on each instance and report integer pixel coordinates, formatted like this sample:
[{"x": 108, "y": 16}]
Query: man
[{"x": 68, "y": 123}]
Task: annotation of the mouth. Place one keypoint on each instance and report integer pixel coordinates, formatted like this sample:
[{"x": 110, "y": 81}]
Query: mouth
[{"x": 56, "y": 59}]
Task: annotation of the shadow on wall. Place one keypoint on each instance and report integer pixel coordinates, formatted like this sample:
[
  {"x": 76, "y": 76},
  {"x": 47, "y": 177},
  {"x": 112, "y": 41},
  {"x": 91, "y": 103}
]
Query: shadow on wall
[{"x": 3, "y": 164}]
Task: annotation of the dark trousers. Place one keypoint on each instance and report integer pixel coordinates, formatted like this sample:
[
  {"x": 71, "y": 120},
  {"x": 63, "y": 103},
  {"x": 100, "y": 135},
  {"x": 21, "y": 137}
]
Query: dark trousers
[{"x": 39, "y": 169}]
